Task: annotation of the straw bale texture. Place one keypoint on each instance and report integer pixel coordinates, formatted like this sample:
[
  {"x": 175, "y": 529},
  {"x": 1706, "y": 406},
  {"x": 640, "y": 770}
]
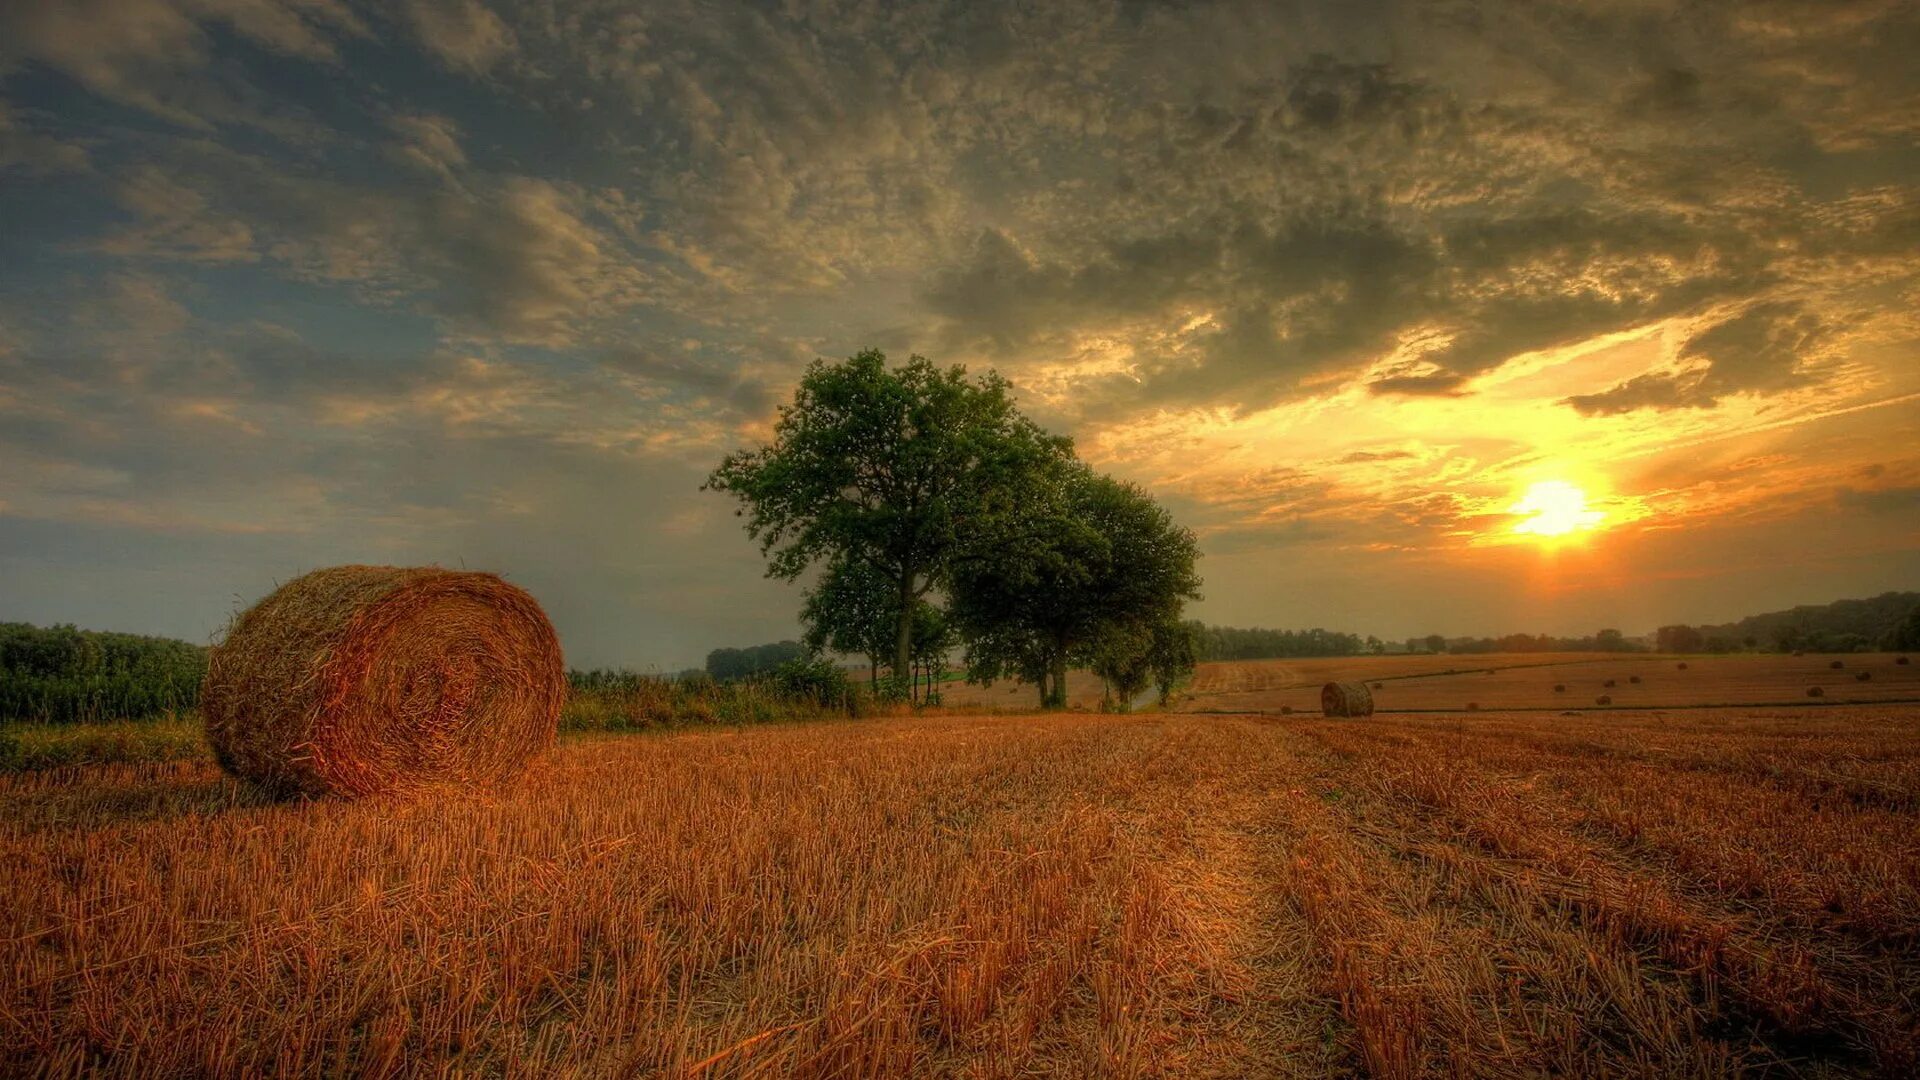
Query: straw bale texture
[
  {"x": 356, "y": 680},
  {"x": 1346, "y": 699}
]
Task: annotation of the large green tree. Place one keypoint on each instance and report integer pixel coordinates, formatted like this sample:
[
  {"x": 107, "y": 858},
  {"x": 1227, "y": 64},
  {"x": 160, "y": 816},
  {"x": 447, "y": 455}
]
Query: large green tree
[
  {"x": 1079, "y": 578},
  {"x": 892, "y": 468}
]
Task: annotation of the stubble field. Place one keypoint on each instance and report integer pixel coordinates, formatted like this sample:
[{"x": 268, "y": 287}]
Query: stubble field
[{"x": 1694, "y": 892}]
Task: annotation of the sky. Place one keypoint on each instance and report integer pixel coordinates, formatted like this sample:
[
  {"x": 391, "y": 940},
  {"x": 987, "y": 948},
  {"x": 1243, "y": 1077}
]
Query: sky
[{"x": 290, "y": 283}]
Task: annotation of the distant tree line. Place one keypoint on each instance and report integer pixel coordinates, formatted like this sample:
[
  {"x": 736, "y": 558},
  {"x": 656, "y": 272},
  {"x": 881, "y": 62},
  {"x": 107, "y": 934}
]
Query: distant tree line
[
  {"x": 1888, "y": 621},
  {"x": 931, "y": 515},
  {"x": 754, "y": 660},
  {"x": 1258, "y": 643},
  {"x": 1612, "y": 641},
  {"x": 59, "y": 674}
]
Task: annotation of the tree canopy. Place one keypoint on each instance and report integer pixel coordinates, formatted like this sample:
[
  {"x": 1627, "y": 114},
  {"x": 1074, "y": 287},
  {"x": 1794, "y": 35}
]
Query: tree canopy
[
  {"x": 891, "y": 468},
  {"x": 1082, "y": 577}
]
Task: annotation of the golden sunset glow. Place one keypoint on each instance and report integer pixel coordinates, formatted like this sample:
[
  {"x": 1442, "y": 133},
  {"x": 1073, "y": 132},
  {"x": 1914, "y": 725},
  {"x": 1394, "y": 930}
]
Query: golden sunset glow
[{"x": 1555, "y": 508}]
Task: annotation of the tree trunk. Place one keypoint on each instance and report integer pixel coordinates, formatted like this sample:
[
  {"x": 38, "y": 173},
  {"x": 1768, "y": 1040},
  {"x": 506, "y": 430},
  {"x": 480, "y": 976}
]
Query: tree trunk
[
  {"x": 903, "y": 630},
  {"x": 1060, "y": 679}
]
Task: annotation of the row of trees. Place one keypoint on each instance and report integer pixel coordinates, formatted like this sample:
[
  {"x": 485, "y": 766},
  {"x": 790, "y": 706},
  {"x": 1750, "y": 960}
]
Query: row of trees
[
  {"x": 1601, "y": 641},
  {"x": 1888, "y": 621},
  {"x": 932, "y": 514},
  {"x": 59, "y": 674},
  {"x": 752, "y": 660},
  {"x": 1235, "y": 643}
]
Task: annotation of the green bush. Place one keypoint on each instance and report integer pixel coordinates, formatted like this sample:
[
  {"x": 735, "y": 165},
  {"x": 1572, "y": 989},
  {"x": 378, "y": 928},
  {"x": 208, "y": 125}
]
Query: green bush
[{"x": 61, "y": 675}]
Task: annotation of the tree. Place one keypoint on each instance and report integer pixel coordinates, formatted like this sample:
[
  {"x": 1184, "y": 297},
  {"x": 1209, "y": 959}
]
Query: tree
[
  {"x": 892, "y": 468},
  {"x": 850, "y": 611},
  {"x": 1097, "y": 560},
  {"x": 1679, "y": 639},
  {"x": 1907, "y": 634},
  {"x": 1123, "y": 658},
  {"x": 1436, "y": 643},
  {"x": 1172, "y": 655}
]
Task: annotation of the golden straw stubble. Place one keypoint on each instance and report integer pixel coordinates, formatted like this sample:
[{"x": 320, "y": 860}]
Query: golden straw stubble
[{"x": 358, "y": 680}]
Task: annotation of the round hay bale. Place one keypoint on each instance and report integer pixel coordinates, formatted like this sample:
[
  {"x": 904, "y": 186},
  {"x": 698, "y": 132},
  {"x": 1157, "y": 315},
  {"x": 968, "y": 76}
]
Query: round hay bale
[
  {"x": 1379, "y": 686},
  {"x": 1814, "y": 691},
  {"x": 1633, "y": 678},
  {"x": 1603, "y": 700},
  {"x": 1682, "y": 665},
  {"x": 1610, "y": 684},
  {"x": 1837, "y": 664},
  {"x": 1286, "y": 710},
  {"x": 1863, "y": 676},
  {"x": 357, "y": 680},
  {"x": 1346, "y": 699},
  {"x": 1900, "y": 660},
  {"x": 1559, "y": 688}
]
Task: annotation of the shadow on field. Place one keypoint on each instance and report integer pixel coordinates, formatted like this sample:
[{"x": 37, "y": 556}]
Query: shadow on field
[{"x": 90, "y": 798}]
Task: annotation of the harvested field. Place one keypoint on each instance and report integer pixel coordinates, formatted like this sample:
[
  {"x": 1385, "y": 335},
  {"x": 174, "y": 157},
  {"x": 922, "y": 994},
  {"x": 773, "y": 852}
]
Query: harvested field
[
  {"x": 1705, "y": 893},
  {"x": 1527, "y": 681}
]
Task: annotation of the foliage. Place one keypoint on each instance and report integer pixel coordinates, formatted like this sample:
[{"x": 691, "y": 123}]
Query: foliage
[
  {"x": 63, "y": 675},
  {"x": 892, "y": 468},
  {"x": 850, "y": 610},
  {"x": 33, "y": 747},
  {"x": 1171, "y": 655},
  {"x": 1071, "y": 582},
  {"x": 1907, "y": 634},
  {"x": 1679, "y": 639},
  {"x": 604, "y": 700},
  {"x": 1610, "y": 641},
  {"x": 754, "y": 660},
  {"x": 1234, "y": 643},
  {"x": 814, "y": 680},
  {"x": 1841, "y": 626},
  {"x": 1123, "y": 658}
]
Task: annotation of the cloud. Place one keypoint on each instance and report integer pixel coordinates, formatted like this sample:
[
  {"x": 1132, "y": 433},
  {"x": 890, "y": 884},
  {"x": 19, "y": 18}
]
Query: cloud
[
  {"x": 1766, "y": 348},
  {"x": 34, "y": 153},
  {"x": 427, "y": 142},
  {"x": 464, "y": 35},
  {"x": 515, "y": 258},
  {"x": 153, "y": 55}
]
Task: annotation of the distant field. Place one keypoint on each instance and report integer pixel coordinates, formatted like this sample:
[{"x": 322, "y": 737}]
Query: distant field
[
  {"x": 1697, "y": 893},
  {"x": 1527, "y": 681}
]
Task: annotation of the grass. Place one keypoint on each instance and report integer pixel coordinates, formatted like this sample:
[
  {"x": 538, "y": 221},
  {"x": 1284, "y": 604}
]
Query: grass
[
  {"x": 31, "y": 747},
  {"x": 1704, "y": 893}
]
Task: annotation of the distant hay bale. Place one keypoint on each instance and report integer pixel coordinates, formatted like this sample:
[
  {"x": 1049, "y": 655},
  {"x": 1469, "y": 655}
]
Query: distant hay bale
[
  {"x": 1900, "y": 660},
  {"x": 1346, "y": 699},
  {"x": 1837, "y": 665},
  {"x": 1603, "y": 700},
  {"x": 1633, "y": 678},
  {"x": 1863, "y": 676},
  {"x": 1473, "y": 706},
  {"x": 1814, "y": 691},
  {"x": 1379, "y": 686},
  {"x": 1682, "y": 665},
  {"x": 1610, "y": 683},
  {"x": 1286, "y": 710},
  {"x": 1559, "y": 688},
  {"x": 1799, "y": 652},
  {"x": 356, "y": 680}
]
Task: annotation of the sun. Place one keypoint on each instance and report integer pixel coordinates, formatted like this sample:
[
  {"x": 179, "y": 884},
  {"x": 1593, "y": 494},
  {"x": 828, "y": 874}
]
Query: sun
[{"x": 1554, "y": 508}]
